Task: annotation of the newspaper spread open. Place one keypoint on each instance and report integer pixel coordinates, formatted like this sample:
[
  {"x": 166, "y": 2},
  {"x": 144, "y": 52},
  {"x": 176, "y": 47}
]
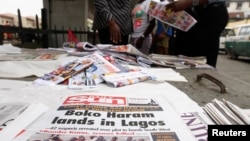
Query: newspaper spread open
[
  {"x": 29, "y": 57},
  {"x": 95, "y": 116},
  {"x": 16, "y": 116},
  {"x": 180, "y": 20},
  {"x": 198, "y": 123}
]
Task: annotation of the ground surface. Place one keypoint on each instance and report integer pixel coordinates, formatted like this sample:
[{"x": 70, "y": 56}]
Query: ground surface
[{"x": 234, "y": 74}]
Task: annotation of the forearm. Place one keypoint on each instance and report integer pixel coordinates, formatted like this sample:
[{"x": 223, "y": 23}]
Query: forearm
[
  {"x": 213, "y": 1},
  {"x": 197, "y": 2},
  {"x": 112, "y": 22},
  {"x": 203, "y": 2},
  {"x": 149, "y": 28}
]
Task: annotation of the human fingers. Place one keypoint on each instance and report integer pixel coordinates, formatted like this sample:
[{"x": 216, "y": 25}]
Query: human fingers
[
  {"x": 115, "y": 35},
  {"x": 170, "y": 6},
  {"x": 178, "y": 5}
]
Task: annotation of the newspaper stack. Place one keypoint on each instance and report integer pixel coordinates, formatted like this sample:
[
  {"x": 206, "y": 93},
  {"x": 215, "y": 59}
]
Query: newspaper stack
[{"x": 226, "y": 113}]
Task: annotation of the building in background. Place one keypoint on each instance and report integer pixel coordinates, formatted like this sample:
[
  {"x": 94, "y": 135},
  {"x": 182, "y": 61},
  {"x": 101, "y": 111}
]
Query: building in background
[
  {"x": 78, "y": 15},
  {"x": 74, "y": 13},
  {"x": 12, "y": 20},
  {"x": 239, "y": 12}
]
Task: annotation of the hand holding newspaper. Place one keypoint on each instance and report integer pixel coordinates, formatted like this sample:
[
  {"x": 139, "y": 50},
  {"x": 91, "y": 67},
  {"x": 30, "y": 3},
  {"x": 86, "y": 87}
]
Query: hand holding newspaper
[{"x": 180, "y": 20}]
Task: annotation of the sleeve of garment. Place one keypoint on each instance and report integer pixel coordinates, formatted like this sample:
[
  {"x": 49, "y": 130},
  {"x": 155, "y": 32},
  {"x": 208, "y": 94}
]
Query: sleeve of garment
[
  {"x": 103, "y": 9},
  {"x": 212, "y": 1},
  {"x": 147, "y": 3}
]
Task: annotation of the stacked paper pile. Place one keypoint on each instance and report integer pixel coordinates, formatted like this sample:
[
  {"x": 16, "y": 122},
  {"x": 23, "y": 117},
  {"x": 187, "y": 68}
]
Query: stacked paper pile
[{"x": 226, "y": 113}]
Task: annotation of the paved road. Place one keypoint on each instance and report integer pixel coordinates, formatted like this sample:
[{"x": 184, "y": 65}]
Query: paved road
[
  {"x": 234, "y": 74},
  {"x": 237, "y": 69}
]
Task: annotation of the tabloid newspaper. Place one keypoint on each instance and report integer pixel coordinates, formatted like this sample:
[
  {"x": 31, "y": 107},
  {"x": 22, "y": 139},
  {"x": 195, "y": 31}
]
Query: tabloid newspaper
[
  {"x": 127, "y": 78},
  {"x": 95, "y": 63},
  {"x": 86, "y": 46},
  {"x": 123, "y": 58},
  {"x": 100, "y": 66},
  {"x": 64, "y": 72},
  {"x": 181, "y": 61},
  {"x": 16, "y": 116},
  {"x": 180, "y": 20},
  {"x": 98, "y": 116},
  {"x": 83, "y": 46}
]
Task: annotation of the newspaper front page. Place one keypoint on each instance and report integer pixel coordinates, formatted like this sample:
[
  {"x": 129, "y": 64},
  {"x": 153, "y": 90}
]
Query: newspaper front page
[{"x": 96, "y": 117}]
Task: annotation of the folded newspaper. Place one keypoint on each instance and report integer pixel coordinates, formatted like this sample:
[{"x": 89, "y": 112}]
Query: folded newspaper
[
  {"x": 83, "y": 48},
  {"x": 81, "y": 81},
  {"x": 64, "y": 72},
  {"x": 127, "y": 78},
  {"x": 226, "y": 113},
  {"x": 181, "y": 61},
  {"x": 92, "y": 116},
  {"x": 101, "y": 66}
]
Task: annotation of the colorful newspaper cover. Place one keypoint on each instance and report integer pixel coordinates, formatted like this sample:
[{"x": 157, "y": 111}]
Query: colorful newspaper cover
[
  {"x": 64, "y": 72},
  {"x": 180, "y": 20},
  {"x": 103, "y": 116},
  {"x": 100, "y": 66},
  {"x": 127, "y": 49}
]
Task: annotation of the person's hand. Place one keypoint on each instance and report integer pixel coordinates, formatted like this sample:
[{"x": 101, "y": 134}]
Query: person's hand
[
  {"x": 139, "y": 42},
  {"x": 179, "y": 5},
  {"x": 161, "y": 36},
  {"x": 115, "y": 33}
]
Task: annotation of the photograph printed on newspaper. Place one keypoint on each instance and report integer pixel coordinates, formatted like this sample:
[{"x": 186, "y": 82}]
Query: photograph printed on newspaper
[{"x": 180, "y": 20}]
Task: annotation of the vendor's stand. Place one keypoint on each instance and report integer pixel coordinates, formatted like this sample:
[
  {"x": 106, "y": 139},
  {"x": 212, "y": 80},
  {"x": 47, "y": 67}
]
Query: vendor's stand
[{"x": 19, "y": 86}]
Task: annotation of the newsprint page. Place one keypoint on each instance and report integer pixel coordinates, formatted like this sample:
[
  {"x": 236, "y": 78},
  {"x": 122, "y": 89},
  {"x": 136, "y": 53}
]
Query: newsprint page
[
  {"x": 101, "y": 117},
  {"x": 16, "y": 116}
]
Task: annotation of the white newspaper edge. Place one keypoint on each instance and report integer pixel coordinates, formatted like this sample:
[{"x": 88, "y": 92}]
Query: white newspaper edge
[{"x": 33, "y": 112}]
